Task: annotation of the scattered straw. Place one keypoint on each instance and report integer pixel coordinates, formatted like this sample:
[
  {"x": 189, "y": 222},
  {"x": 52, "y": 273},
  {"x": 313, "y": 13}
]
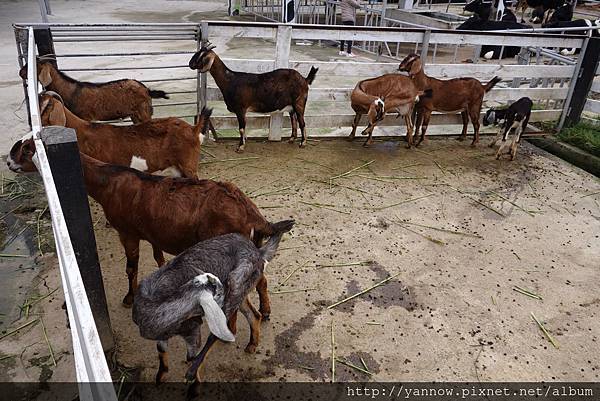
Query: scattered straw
[
  {"x": 10, "y": 333},
  {"x": 351, "y": 170},
  {"x": 48, "y": 342},
  {"x": 39, "y": 238},
  {"x": 526, "y": 292},
  {"x": 427, "y": 237},
  {"x": 592, "y": 194},
  {"x": 464, "y": 233},
  {"x": 342, "y": 186},
  {"x": 548, "y": 336},
  {"x": 324, "y": 206},
  {"x": 292, "y": 273},
  {"x": 10, "y": 255},
  {"x": 291, "y": 291},
  {"x": 236, "y": 159},
  {"x": 354, "y": 367},
  {"x": 406, "y": 166},
  {"x": 401, "y": 202},
  {"x": 374, "y": 323},
  {"x": 362, "y": 263},
  {"x": 332, "y": 354},
  {"x": 363, "y": 291},
  {"x": 271, "y": 192},
  {"x": 513, "y": 203},
  {"x": 364, "y": 364}
]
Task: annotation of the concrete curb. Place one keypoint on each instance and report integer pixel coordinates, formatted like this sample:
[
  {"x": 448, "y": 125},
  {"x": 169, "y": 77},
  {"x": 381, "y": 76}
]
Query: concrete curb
[{"x": 573, "y": 155}]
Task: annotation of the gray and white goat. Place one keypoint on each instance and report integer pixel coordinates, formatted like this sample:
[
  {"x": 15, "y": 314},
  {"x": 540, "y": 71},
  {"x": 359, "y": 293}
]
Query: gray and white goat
[
  {"x": 514, "y": 117},
  {"x": 210, "y": 280}
]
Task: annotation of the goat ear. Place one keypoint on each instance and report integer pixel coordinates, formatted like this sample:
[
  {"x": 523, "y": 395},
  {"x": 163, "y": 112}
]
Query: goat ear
[
  {"x": 57, "y": 114},
  {"x": 44, "y": 75},
  {"x": 415, "y": 67},
  {"x": 44, "y": 104}
]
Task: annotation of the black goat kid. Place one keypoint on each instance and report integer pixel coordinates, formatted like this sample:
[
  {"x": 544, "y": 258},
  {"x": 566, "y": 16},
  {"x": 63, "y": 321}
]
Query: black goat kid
[
  {"x": 514, "y": 117},
  {"x": 261, "y": 93}
]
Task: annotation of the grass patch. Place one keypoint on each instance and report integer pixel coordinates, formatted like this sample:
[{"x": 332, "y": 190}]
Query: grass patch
[{"x": 584, "y": 135}]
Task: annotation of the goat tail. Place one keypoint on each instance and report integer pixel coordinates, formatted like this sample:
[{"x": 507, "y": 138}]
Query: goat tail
[
  {"x": 158, "y": 94},
  {"x": 487, "y": 87},
  {"x": 211, "y": 290},
  {"x": 203, "y": 122},
  {"x": 311, "y": 75},
  {"x": 267, "y": 252}
]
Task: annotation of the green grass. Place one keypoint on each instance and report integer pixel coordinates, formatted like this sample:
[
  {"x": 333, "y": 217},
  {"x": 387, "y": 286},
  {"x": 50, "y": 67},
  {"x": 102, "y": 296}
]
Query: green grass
[{"x": 584, "y": 135}]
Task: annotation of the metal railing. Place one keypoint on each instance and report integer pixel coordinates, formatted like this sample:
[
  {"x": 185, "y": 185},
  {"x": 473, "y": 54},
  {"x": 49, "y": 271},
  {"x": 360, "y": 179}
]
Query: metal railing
[{"x": 93, "y": 375}]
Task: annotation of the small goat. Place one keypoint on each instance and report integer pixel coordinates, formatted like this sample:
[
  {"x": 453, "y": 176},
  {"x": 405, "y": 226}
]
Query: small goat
[
  {"x": 514, "y": 117},
  {"x": 484, "y": 10},
  {"x": 388, "y": 93},
  {"x": 464, "y": 95},
  {"x": 219, "y": 272},
  {"x": 173, "y": 214},
  {"x": 261, "y": 93},
  {"x": 98, "y": 101},
  {"x": 165, "y": 146}
]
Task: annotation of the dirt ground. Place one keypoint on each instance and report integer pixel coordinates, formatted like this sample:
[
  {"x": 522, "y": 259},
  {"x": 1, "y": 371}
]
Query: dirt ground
[{"x": 452, "y": 312}]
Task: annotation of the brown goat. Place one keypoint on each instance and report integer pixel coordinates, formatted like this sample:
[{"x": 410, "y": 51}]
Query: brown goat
[
  {"x": 387, "y": 93},
  {"x": 98, "y": 101},
  {"x": 464, "y": 95},
  {"x": 172, "y": 214},
  {"x": 164, "y": 146},
  {"x": 260, "y": 93}
]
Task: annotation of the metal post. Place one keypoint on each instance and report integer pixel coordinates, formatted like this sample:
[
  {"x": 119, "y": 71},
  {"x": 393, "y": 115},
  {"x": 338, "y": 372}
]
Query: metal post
[
  {"x": 580, "y": 84},
  {"x": 425, "y": 46},
  {"x": 282, "y": 57},
  {"x": 65, "y": 164},
  {"x": 43, "y": 10},
  {"x": 44, "y": 42}
]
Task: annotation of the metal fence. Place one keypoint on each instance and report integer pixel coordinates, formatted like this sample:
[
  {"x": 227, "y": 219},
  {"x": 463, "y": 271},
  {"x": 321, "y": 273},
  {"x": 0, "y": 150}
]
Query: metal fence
[
  {"x": 90, "y": 364},
  {"x": 158, "y": 55}
]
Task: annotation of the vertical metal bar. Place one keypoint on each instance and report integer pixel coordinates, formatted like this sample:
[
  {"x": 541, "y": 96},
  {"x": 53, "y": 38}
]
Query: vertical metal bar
[
  {"x": 282, "y": 58},
  {"x": 202, "y": 78},
  {"x": 65, "y": 164},
  {"x": 43, "y": 10},
  {"x": 21, "y": 40},
  {"x": 580, "y": 84},
  {"x": 425, "y": 46}
]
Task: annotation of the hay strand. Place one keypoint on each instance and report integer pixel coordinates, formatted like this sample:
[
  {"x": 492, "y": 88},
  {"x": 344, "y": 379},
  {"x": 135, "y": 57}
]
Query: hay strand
[
  {"x": 10, "y": 333},
  {"x": 546, "y": 333},
  {"x": 527, "y": 292},
  {"x": 354, "y": 367},
  {"x": 48, "y": 342},
  {"x": 401, "y": 202},
  {"x": 351, "y": 170},
  {"x": 332, "y": 354},
  {"x": 363, "y": 291},
  {"x": 362, "y": 263}
]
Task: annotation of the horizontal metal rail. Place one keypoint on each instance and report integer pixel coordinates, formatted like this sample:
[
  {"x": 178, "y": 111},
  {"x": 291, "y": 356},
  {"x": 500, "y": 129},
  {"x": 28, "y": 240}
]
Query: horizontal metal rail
[{"x": 93, "y": 375}]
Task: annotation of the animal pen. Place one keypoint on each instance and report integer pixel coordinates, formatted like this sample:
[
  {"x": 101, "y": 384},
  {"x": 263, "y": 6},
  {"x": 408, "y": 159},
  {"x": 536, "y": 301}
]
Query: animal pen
[{"x": 157, "y": 55}]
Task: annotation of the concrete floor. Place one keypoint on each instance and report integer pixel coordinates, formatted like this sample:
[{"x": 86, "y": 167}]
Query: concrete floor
[{"x": 451, "y": 313}]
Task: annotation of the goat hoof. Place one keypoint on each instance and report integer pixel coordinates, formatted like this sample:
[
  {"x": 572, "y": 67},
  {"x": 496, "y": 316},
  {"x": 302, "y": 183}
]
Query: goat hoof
[
  {"x": 303, "y": 144},
  {"x": 474, "y": 144},
  {"x": 160, "y": 377},
  {"x": 250, "y": 349},
  {"x": 350, "y": 137},
  {"x": 240, "y": 149},
  {"x": 291, "y": 140},
  {"x": 128, "y": 301},
  {"x": 461, "y": 138},
  {"x": 265, "y": 316}
]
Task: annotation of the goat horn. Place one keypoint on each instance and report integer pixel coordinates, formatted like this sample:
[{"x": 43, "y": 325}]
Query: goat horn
[{"x": 210, "y": 47}]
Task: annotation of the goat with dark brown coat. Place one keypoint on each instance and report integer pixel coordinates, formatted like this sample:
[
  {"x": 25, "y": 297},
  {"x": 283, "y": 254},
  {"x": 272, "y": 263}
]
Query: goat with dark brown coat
[
  {"x": 98, "y": 101},
  {"x": 172, "y": 214},
  {"x": 164, "y": 146},
  {"x": 374, "y": 97},
  {"x": 260, "y": 93},
  {"x": 464, "y": 95}
]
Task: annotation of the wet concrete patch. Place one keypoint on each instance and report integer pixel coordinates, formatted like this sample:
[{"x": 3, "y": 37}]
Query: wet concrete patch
[
  {"x": 288, "y": 353},
  {"x": 392, "y": 293}
]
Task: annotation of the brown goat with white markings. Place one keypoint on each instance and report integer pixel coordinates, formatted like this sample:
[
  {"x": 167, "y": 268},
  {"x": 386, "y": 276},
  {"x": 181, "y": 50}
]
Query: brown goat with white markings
[
  {"x": 172, "y": 214},
  {"x": 388, "y": 93},
  {"x": 164, "y": 146},
  {"x": 464, "y": 95},
  {"x": 98, "y": 101},
  {"x": 260, "y": 93}
]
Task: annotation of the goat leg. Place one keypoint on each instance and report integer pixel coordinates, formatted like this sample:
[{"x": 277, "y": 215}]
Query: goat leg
[
  {"x": 253, "y": 318},
  {"x": 263, "y": 296},
  {"x": 354, "y": 125},
  {"x": 423, "y": 122},
  {"x": 163, "y": 361},
  {"x": 301, "y": 123},
  {"x": 158, "y": 255},
  {"x": 193, "y": 371},
  {"x": 242, "y": 126},
  {"x": 474, "y": 115},
  {"x": 409, "y": 131},
  {"x": 132, "y": 253},
  {"x": 465, "y": 121},
  {"x": 294, "y": 122},
  {"x": 212, "y": 129}
]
